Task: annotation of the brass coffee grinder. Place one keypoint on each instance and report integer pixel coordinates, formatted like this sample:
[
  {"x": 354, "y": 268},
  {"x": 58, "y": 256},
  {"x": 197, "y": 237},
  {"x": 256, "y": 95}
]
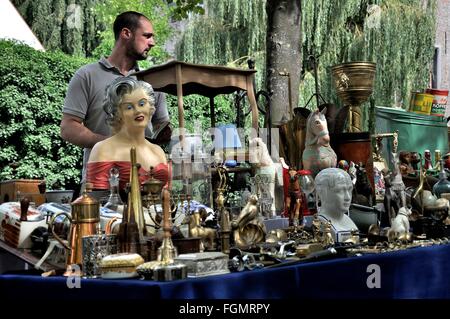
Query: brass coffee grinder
[{"x": 84, "y": 221}]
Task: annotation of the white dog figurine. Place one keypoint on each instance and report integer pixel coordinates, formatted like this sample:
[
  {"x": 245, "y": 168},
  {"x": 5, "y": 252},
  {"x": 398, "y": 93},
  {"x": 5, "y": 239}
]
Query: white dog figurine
[
  {"x": 260, "y": 158},
  {"x": 400, "y": 224}
]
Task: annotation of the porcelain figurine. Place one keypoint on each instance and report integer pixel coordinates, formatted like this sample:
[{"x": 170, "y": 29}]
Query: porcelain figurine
[
  {"x": 400, "y": 224},
  {"x": 260, "y": 158},
  {"x": 318, "y": 153}
]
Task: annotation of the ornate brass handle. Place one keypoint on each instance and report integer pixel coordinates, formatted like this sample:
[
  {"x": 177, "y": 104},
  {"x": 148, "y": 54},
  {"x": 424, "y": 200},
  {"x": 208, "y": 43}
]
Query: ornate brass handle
[
  {"x": 61, "y": 241},
  {"x": 108, "y": 227}
]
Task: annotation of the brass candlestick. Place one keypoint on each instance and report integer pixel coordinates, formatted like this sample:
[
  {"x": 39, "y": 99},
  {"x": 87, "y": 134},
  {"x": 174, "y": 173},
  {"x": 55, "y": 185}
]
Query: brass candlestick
[
  {"x": 132, "y": 229},
  {"x": 134, "y": 198},
  {"x": 167, "y": 252},
  {"x": 164, "y": 268},
  {"x": 224, "y": 215}
]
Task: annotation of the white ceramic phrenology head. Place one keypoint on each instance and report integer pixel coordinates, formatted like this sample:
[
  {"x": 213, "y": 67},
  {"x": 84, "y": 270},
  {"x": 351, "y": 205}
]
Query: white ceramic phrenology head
[{"x": 334, "y": 189}]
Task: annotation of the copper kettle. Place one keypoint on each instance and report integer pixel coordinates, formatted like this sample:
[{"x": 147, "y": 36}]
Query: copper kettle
[{"x": 84, "y": 221}]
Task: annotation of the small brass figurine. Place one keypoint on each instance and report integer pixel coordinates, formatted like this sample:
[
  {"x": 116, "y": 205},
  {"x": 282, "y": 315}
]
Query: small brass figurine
[
  {"x": 207, "y": 235},
  {"x": 327, "y": 239},
  {"x": 316, "y": 225},
  {"x": 248, "y": 229}
]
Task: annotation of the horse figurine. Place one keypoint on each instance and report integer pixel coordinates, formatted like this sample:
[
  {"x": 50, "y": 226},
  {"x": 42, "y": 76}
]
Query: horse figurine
[
  {"x": 318, "y": 153},
  {"x": 259, "y": 156}
]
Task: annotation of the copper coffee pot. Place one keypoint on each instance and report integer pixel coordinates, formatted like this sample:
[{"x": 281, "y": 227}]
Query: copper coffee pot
[{"x": 84, "y": 222}]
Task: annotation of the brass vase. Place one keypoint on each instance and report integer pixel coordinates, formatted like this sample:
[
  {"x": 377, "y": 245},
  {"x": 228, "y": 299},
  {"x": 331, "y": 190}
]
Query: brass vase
[{"x": 354, "y": 83}]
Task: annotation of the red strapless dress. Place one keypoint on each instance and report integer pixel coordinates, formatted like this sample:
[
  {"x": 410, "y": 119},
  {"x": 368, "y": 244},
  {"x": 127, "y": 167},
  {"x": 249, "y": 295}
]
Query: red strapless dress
[{"x": 98, "y": 173}]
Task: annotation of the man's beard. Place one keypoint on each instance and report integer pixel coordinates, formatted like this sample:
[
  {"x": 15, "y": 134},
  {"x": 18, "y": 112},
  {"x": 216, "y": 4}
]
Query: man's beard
[{"x": 138, "y": 56}]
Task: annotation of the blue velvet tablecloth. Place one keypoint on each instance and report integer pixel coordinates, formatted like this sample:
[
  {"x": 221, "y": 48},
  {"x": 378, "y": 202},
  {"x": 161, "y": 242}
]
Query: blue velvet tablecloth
[{"x": 412, "y": 273}]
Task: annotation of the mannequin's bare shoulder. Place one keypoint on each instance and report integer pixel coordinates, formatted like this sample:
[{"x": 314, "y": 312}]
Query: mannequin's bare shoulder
[
  {"x": 101, "y": 151},
  {"x": 159, "y": 152}
]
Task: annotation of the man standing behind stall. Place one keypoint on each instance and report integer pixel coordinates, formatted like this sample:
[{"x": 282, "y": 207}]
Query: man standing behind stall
[{"x": 84, "y": 120}]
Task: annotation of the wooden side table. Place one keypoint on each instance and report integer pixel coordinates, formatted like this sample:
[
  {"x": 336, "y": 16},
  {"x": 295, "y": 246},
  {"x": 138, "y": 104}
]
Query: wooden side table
[{"x": 182, "y": 79}]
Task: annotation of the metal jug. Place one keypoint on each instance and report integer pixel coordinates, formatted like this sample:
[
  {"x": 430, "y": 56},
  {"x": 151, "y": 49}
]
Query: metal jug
[{"x": 84, "y": 221}]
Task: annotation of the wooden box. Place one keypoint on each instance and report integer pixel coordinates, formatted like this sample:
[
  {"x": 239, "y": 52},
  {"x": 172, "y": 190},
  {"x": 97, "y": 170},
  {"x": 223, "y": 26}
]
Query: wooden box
[
  {"x": 187, "y": 245},
  {"x": 12, "y": 189},
  {"x": 183, "y": 246}
]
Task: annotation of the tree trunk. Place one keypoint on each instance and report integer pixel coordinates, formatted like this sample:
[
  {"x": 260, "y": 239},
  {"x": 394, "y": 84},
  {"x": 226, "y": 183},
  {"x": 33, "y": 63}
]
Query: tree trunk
[{"x": 283, "y": 56}]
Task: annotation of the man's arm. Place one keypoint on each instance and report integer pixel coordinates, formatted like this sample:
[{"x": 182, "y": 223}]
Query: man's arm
[
  {"x": 161, "y": 116},
  {"x": 73, "y": 131},
  {"x": 162, "y": 131}
]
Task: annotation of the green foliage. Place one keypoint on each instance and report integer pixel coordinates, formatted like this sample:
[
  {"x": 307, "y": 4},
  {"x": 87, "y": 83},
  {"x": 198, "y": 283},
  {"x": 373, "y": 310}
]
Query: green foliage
[
  {"x": 32, "y": 89},
  {"x": 197, "y": 116},
  {"x": 334, "y": 31},
  {"x": 79, "y": 27},
  {"x": 160, "y": 12},
  {"x": 228, "y": 34},
  {"x": 70, "y": 26},
  {"x": 183, "y": 7},
  {"x": 400, "y": 42}
]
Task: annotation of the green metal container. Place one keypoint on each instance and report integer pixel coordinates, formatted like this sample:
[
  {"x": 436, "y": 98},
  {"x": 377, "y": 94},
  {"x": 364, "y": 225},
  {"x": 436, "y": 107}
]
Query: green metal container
[{"x": 416, "y": 132}]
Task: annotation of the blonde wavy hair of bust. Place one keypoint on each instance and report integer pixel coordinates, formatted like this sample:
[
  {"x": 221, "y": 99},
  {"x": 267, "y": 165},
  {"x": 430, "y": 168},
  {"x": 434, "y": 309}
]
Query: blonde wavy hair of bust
[{"x": 115, "y": 92}]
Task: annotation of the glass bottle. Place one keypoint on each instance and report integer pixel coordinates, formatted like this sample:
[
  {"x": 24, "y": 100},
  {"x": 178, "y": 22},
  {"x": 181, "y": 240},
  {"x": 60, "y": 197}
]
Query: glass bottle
[
  {"x": 437, "y": 160},
  {"x": 443, "y": 185},
  {"x": 307, "y": 186},
  {"x": 427, "y": 155},
  {"x": 114, "y": 200}
]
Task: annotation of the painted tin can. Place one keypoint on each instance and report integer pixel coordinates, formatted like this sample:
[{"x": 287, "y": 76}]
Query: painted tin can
[
  {"x": 439, "y": 101},
  {"x": 421, "y": 103}
]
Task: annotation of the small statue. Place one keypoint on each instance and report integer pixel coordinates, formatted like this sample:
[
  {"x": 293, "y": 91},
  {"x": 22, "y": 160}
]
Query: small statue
[
  {"x": 395, "y": 196},
  {"x": 260, "y": 158},
  {"x": 427, "y": 156},
  {"x": 415, "y": 159},
  {"x": 405, "y": 163},
  {"x": 248, "y": 229},
  {"x": 380, "y": 187},
  {"x": 316, "y": 225},
  {"x": 327, "y": 238},
  {"x": 362, "y": 188},
  {"x": 207, "y": 235},
  {"x": 294, "y": 200},
  {"x": 400, "y": 225}
]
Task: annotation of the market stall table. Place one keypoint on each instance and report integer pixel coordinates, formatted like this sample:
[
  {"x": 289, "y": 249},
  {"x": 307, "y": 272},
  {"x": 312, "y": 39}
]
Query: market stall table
[{"x": 412, "y": 273}]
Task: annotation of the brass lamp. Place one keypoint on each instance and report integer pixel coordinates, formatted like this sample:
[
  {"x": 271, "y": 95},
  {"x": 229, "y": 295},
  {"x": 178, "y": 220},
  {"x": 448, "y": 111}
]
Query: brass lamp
[{"x": 354, "y": 83}]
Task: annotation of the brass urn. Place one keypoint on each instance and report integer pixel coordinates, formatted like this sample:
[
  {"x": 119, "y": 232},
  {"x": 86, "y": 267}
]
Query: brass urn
[{"x": 354, "y": 83}]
